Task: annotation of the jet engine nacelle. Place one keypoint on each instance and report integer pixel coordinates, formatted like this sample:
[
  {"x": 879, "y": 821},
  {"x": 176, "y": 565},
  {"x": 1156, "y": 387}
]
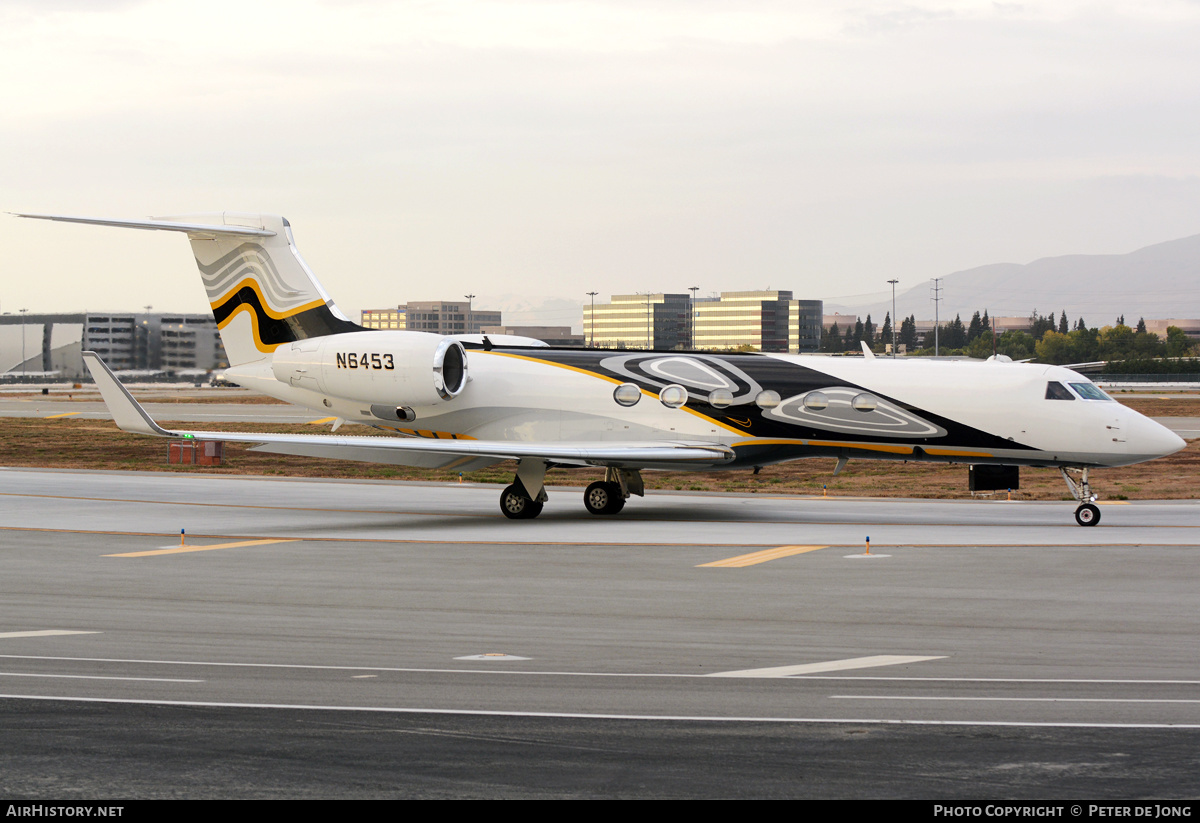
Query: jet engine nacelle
[{"x": 385, "y": 368}]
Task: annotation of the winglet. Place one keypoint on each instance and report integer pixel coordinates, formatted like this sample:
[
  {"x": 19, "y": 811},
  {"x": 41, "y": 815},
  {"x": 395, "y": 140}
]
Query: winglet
[
  {"x": 867, "y": 353},
  {"x": 126, "y": 412}
]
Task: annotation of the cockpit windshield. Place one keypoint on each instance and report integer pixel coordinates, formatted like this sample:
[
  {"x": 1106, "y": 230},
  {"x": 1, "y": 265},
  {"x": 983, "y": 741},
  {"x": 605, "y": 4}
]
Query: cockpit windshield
[
  {"x": 1057, "y": 391},
  {"x": 1090, "y": 391}
]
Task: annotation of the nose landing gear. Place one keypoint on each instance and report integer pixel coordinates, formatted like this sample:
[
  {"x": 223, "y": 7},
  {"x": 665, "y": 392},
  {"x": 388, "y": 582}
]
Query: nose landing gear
[{"x": 1088, "y": 514}]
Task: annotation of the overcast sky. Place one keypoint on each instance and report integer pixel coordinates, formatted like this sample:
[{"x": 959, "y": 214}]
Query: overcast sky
[{"x": 539, "y": 150}]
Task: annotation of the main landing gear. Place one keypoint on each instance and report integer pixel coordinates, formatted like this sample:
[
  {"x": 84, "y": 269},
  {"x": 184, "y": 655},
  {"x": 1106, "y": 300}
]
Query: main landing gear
[
  {"x": 523, "y": 500},
  {"x": 517, "y": 505},
  {"x": 1088, "y": 514},
  {"x": 519, "y": 501},
  {"x": 608, "y": 496},
  {"x": 603, "y": 497}
]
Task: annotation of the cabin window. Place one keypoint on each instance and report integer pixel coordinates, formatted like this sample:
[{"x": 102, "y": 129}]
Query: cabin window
[
  {"x": 1057, "y": 391},
  {"x": 1089, "y": 391},
  {"x": 627, "y": 394},
  {"x": 816, "y": 401},
  {"x": 673, "y": 396},
  {"x": 767, "y": 399},
  {"x": 720, "y": 398}
]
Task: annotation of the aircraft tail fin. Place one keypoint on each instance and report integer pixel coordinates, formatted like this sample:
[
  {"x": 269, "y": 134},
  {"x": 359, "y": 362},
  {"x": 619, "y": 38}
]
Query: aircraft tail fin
[{"x": 261, "y": 291}]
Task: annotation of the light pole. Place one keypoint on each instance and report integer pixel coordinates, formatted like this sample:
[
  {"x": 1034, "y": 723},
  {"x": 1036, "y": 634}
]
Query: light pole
[
  {"x": 23, "y": 313},
  {"x": 648, "y": 346},
  {"x": 937, "y": 319},
  {"x": 470, "y": 311},
  {"x": 693, "y": 290},
  {"x": 893, "y": 282},
  {"x": 592, "y": 320}
]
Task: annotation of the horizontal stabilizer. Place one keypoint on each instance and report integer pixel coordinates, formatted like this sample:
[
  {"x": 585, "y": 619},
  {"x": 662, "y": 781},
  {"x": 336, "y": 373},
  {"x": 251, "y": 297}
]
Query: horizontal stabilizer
[{"x": 161, "y": 225}]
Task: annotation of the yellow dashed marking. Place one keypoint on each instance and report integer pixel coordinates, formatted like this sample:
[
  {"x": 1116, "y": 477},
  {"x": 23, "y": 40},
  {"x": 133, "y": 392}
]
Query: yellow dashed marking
[
  {"x": 184, "y": 549},
  {"x": 321, "y": 421},
  {"x": 755, "y": 558},
  {"x": 64, "y": 414}
]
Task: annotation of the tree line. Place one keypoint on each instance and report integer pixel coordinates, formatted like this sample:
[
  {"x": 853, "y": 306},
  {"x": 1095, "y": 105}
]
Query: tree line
[{"x": 1128, "y": 349}]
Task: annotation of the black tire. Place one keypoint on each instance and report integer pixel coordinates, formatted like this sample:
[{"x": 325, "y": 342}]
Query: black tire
[
  {"x": 603, "y": 498},
  {"x": 1087, "y": 515},
  {"x": 618, "y": 502},
  {"x": 516, "y": 505}
]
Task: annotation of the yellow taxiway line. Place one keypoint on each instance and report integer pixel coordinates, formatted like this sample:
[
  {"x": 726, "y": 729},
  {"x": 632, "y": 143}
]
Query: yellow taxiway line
[
  {"x": 184, "y": 549},
  {"x": 754, "y": 558}
]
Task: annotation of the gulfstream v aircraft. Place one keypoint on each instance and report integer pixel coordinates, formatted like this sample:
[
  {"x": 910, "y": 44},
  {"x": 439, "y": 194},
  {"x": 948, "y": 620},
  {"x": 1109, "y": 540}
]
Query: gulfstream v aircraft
[{"x": 458, "y": 402}]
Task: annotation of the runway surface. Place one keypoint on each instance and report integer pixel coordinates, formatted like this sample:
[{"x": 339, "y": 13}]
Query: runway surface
[{"x": 690, "y": 635}]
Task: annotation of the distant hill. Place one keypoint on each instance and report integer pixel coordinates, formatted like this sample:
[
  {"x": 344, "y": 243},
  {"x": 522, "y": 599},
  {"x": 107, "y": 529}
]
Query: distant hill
[{"x": 1158, "y": 281}]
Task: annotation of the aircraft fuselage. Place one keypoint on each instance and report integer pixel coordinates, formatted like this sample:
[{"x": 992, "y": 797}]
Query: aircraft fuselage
[{"x": 768, "y": 408}]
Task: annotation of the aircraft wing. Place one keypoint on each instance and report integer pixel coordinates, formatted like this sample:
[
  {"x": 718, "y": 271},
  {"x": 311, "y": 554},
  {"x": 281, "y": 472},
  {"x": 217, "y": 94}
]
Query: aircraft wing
[{"x": 131, "y": 417}]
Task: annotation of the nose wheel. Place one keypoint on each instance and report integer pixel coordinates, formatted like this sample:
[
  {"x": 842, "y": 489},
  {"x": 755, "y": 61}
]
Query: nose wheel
[{"x": 1087, "y": 515}]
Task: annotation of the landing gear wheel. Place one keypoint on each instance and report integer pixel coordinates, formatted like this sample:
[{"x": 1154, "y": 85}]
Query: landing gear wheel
[
  {"x": 1087, "y": 515},
  {"x": 603, "y": 497},
  {"x": 517, "y": 506}
]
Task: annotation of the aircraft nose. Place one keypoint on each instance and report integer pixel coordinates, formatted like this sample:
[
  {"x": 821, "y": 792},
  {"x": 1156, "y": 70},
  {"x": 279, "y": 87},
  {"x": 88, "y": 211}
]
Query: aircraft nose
[{"x": 1152, "y": 439}]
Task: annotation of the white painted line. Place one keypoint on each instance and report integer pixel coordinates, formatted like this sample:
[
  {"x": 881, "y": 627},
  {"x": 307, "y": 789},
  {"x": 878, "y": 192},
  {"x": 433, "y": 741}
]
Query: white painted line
[
  {"x": 497, "y": 656},
  {"x": 1015, "y": 699},
  {"x": 554, "y": 673},
  {"x": 43, "y": 633},
  {"x": 829, "y": 666},
  {"x": 97, "y": 677},
  {"x": 872, "y": 721}
]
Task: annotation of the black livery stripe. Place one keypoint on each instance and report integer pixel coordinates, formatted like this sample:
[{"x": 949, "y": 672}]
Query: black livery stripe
[
  {"x": 788, "y": 379},
  {"x": 312, "y": 321}
]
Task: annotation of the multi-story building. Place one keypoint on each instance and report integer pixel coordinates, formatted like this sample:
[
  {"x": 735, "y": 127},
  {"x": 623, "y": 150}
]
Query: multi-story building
[
  {"x": 395, "y": 318},
  {"x": 639, "y": 321},
  {"x": 134, "y": 341},
  {"x": 436, "y": 316},
  {"x": 753, "y": 320},
  {"x": 760, "y": 320}
]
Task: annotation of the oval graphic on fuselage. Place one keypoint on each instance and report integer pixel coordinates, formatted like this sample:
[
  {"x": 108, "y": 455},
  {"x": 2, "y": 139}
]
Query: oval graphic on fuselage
[
  {"x": 883, "y": 420},
  {"x": 699, "y": 374}
]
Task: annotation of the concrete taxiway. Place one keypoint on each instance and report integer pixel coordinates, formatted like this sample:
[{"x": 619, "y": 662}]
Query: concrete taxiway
[{"x": 712, "y": 620}]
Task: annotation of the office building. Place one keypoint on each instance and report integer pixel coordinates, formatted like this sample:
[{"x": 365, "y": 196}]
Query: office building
[
  {"x": 153, "y": 342},
  {"x": 767, "y": 320},
  {"x": 435, "y": 316}
]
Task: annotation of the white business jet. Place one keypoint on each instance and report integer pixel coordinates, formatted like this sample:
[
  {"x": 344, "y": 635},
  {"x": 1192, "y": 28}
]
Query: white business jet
[{"x": 465, "y": 402}]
